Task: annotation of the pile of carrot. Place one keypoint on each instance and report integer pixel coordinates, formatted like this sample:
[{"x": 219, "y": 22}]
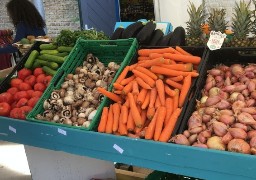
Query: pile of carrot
[{"x": 148, "y": 102}]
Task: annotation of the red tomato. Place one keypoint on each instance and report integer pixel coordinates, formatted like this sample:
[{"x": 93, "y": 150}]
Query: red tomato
[
  {"x": 6, "y": 97},
  {"x": 5, "y": 109}
]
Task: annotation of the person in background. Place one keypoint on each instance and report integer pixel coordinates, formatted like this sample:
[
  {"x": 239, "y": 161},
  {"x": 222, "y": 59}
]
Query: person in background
[{"x": 26, "y": 20}]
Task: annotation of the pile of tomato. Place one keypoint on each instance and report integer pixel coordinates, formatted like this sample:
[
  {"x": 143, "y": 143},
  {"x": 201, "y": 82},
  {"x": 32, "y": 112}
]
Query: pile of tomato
[{"x": 24, "y": 92}]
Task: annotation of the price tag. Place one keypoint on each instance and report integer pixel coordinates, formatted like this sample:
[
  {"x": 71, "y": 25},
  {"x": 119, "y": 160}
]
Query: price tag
[
  {"x": 61, "y": 131},
  {"x": 216, "y": 40},
  {"x": 12, "y": 129},
  {"x": 118, "y": 148}
]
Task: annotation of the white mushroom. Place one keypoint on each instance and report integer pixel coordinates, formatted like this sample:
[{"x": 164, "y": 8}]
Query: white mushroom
[
  {"x": 91, "y": 115},
  {"x": 88, "y": 111},
  {"x": 86, "y": 124}
]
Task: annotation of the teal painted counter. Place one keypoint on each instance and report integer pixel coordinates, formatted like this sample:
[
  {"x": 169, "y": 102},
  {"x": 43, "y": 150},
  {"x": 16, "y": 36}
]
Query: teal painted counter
[{"x": 184, "y": 160}]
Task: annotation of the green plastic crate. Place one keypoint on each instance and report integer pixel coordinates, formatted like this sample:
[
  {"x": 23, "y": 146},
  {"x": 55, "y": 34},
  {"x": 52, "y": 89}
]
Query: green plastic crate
[{"x": 119, "y": 51}]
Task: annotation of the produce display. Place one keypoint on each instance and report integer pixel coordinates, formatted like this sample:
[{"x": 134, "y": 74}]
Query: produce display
[
  {"x": 77, "y": 101},
  {"x": 24, "y": 92},
  {"x": 147, "y": 34},
  {"x": 225, "y": 115},
  {"x": 69, "y": 38},
  {"x": 150, "y": 94},
  {"x": 50, "y": 57}
]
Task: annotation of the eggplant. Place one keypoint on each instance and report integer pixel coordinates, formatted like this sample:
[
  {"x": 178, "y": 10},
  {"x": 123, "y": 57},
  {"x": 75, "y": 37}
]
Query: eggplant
[
  {"x": 146, "y": 33},
  {"x": 178, "y": 38},
  {"x": 157, "y": 35},
  {"x": 132, "y": 30},
  {"x": 117, "y": 33},
  {"x": 164, "y": 41}
]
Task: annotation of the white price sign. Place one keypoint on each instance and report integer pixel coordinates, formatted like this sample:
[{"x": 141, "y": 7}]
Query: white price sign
[{"x": 216, "y": 40}]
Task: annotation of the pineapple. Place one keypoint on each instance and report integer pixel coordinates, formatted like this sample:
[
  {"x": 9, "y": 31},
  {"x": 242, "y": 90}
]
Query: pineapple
[
  {"x": 253, "y": 42},
  {"x": 241, "y": 25},
  {"x": 194, "y": 31},
  {"x": 217, "y": 21}
]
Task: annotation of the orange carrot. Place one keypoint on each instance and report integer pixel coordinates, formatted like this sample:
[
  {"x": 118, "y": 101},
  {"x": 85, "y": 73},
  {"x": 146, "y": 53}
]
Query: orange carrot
[
  {"x": 182, "y": 51},
  {"x": 151, "y": 82},
  {"x": 110, "y": 122},
  {"x": 127, "y": 103},
  {"x": 151, "y": 127},
  {"x": 176, "y": 99},
  {"x": 153, "y": 95},
  {"x": 187, "y": 67},
  {"x": 169, "y": 91},
  {"x": 158, "y": 102},
  {"x": 122, "y": 128},
  {"x": 103, "y": 120},
  {"x": 177, "y": 78},
  {"x": 146, "y": 101},
  {"x": 133, "y": 66},
  {"x": 127, "y": 88},
  {"x": 151, "y": 112},
  {"x": 110, "y": 95},
  {"x": 155, "y": 55},
  {"x": 169, "y": 109},
  {"x": 161, "y": 91},
  {"x": 168, "y": 129},
  {"x": 122, "y": 74},
  {"x": 142, "y": 58},
  {"x": 116, "y": 114},
  {"x": 134, "y": 110},
  {"x": 130, "y": 123},
  {"x": 133, "y": 136},
  {"x": 184, "y": 90},
  {"x": 118, "y": 86},
  {"x": 173, "y": 84},
  {"x": 159, "y": 122},
  {"x": 142, "y": 83},
  {"x": 127, "y": 80},
  {"x": 144, "y": 117},
  {"x": 146, "y": 52},
  {"x": 153, "y": 62},
  {"x": 135, "y": 88},
  {"x": 124, "y": 114},
  {"x": 141, "y": 96},
  {"x": 183, "y": 58},
  {"x": 170, "y": 72},
  {"x": 118, "y": 92},
  {"x": 147, "y": 72}
]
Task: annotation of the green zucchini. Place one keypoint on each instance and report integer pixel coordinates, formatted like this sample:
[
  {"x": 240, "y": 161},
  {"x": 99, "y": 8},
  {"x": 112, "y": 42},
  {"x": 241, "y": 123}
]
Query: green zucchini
[
  {"x": 52, "y": 58},
  {"x": 49, "y": 51},
  {"x": 49, "y": 70},
  {"x": 117, "y": 33},
  {"x": 146, "y": 33},
  {"x": 52, "y": 65},
  {"x": 30, "y": 61},
  {"x": 157, "y": 35},
  {"x": 132, "y": 30},
  {"x": 64, "y": 48},
  {"x": 47, "y": 46},
  {"x": 62, "y": 54}
]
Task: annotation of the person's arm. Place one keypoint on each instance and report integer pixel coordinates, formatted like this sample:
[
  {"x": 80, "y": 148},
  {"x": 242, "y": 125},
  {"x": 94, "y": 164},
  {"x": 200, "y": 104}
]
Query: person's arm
[{"x": 20, "y": 33}]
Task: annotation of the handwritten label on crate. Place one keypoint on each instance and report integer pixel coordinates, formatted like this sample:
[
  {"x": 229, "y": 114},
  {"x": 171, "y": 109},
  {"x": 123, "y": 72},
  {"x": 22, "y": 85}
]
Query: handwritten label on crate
[
  {"x": 118, "y": 148},
  {"x": 12, "y": 129},
  {"x": 61, "y": 131},
  {"x": 216, "y": 40}
]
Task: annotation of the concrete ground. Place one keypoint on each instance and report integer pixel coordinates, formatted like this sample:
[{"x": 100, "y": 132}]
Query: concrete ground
[{"x": 13, "y": 162}]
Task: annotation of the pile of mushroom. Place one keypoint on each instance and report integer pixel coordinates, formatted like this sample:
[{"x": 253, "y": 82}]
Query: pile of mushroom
[{"x": 77, "y": 101}]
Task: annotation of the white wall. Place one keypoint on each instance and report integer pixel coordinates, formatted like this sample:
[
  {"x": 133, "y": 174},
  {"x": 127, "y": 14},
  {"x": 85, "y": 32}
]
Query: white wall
[{"x": 173, "y": 11}]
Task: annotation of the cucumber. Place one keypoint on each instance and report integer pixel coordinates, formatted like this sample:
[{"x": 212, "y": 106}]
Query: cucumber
[
  {"x": 49, "y": 70},
  {"x": 36, "y": 64},
  {"x": 52, "y": 58},
  {"x": 47, "y": 46},
  {"x": 62, "y": 54},
  {"x": 64, "y": 49},
  {"x": 49, "y": 52},
  {"x": 30, "y": 61},
  {"x": 52, "y": 65}
]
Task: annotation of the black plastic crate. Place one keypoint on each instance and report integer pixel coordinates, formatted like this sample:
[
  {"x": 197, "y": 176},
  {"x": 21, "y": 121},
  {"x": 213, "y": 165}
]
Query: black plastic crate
[
  {"x": 196, "y": 51},
  {"x": 5, "y": 84},
  {"x": 226, "y": 56}
]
